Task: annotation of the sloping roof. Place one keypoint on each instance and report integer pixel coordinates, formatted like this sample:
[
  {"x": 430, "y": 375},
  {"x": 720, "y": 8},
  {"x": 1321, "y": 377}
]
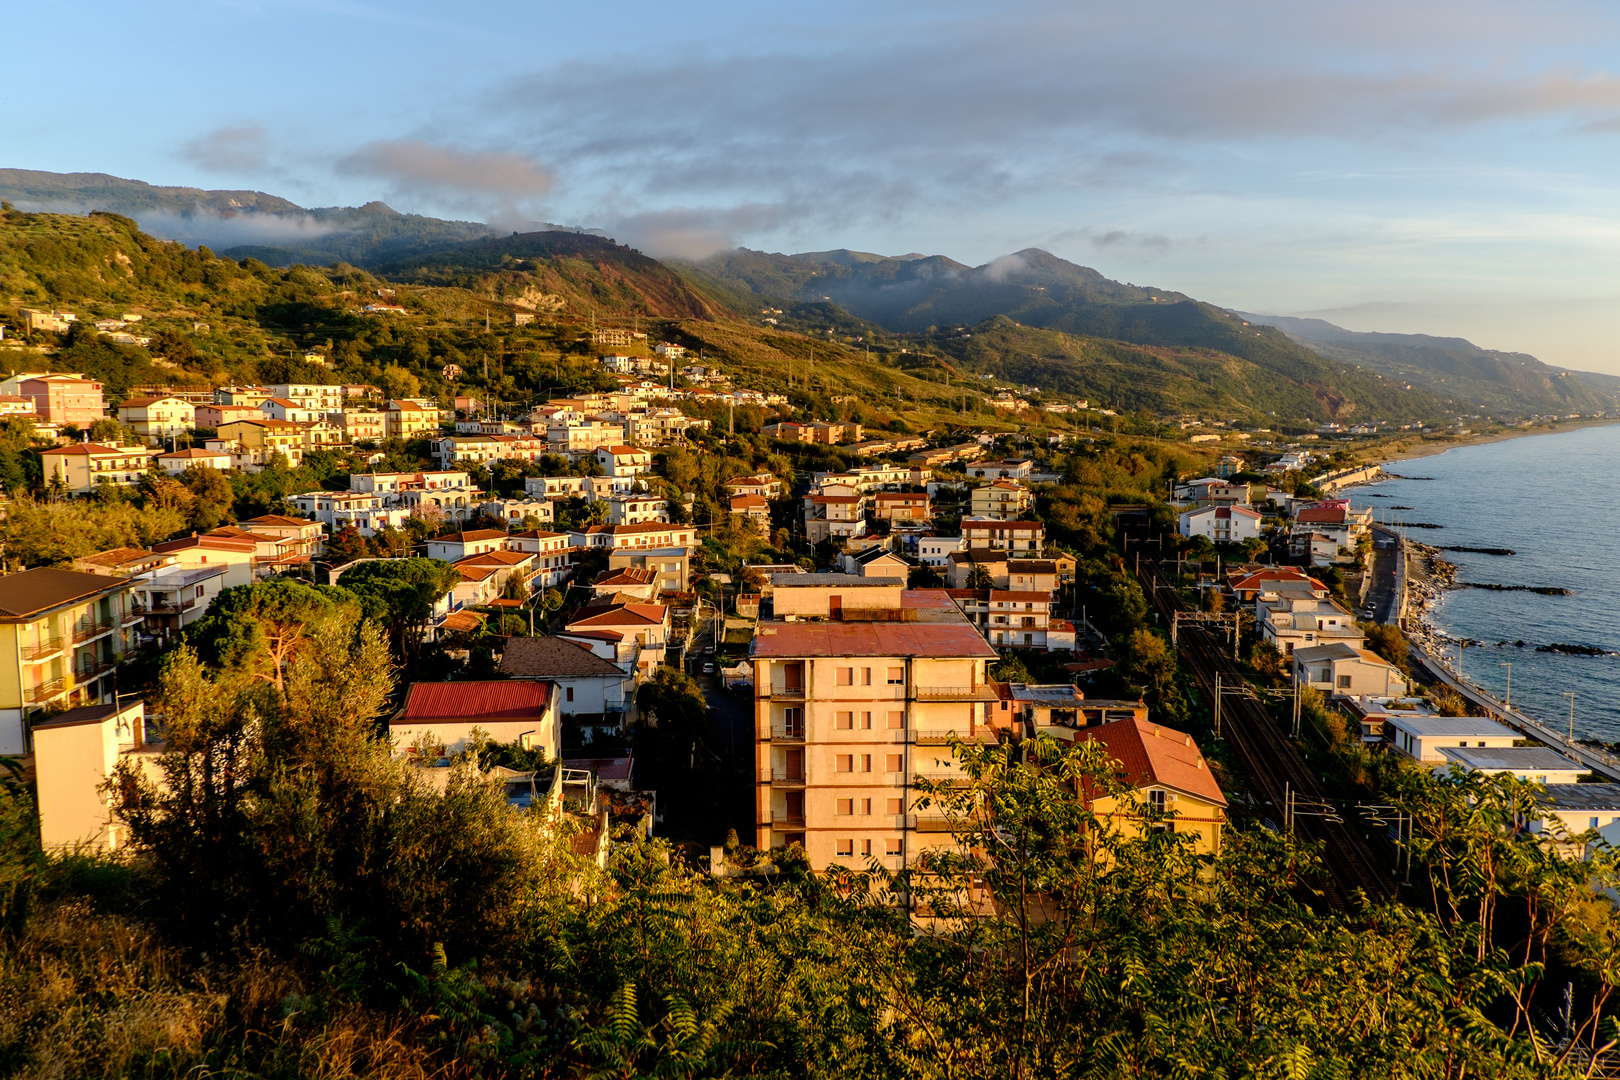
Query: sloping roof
[
  {"x": 553, "y": 658},
  {"x": 496, "y": 558},
  {"x": 116, "y": 556},
  {"x": 536, "y": 534},
  {"x": 871, "y": 555},
  {"x": 1031, "y": 566},
  {"x": 467, "y": 537},
  {"x": 623, "y": 615},
  {"x": 191, "y": 453},
  {"x": 626, "y": 575},
  {"x": 279, "y": 519},
  {"x": 462, "y": 621},
  {"x": 142, "y": 402},
  {"x": 1151, "y": 754},
  {"x": 503, "y": 699},
  {"x": 33, "y": 591},
  {"x": 1323, "y": 514},
  {"x": 221, "y": 543},
  {"x": 1017, "y": 596},
  {"x": 738, "y": 501},
  {"x": 870, "y": 639},
  {"x": 91, "y": 450}
]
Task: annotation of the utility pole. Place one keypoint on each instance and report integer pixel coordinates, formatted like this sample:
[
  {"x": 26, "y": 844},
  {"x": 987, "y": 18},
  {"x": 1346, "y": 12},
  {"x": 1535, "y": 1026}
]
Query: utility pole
[
  {"x": 1507, "y": 699},
  {"x": 1571, "y": 695},
  {"x": 1217, "y": 701}
]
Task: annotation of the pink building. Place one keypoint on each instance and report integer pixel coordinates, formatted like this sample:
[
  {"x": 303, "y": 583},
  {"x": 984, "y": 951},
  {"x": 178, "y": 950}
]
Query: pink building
[{"x": 64, "y": 399}]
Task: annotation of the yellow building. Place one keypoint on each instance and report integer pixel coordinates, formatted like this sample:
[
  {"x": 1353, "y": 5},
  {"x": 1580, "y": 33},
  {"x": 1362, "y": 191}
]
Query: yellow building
[
  {"x": 258, "y": 441},
  {"x": 847, "y": 713},
  {"x": 408, "y": 420},
  {"x": 83, "y": 467},
  {"x": 1169, "y": 773},
  {"x": 61, "y": 634},
  {"x": 74, "y": 754},
  {"x": 156, "y": 418}
]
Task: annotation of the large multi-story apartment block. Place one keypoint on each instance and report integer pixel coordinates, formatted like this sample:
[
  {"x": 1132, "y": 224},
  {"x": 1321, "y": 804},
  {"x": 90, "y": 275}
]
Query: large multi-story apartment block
[
  {"x": 847, "y": 714},
  {"x": 409, "y": 420},
  {"x": 314, "y": 396},
  {"x": 59, "y": 397},
  {"x": 1018, "y": 537},
  {"x": 62, "y": 633}
]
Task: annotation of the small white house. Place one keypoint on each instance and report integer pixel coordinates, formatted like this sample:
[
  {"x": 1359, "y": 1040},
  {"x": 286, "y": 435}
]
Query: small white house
[
  {"x": 937, "y": 550},
  {"x": 1222, "y": 524},
  {"x": 1344, "y": 669},
  {"x": 1542, "y": 764}
]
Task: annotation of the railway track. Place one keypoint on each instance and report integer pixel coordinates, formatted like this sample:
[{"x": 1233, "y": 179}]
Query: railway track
[{"x": 1273, "y": 764}]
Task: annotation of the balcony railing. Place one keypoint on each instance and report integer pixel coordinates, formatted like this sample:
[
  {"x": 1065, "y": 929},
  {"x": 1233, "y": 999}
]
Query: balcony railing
[
  {"x": 980, "y": 692},
  {"x": 45, "y": 691},
  {"x": 92, "y": 630},
  {"x": 787, "y": 778},
  {"x": 175, "y": 607},
  {"x": 42, "y": 649},
  {"x": 785, "y": 693},
  {"x": 784, "y": 820},
  {"x": 935, "y": 823},
  {"x": 781, "y": 732},
  {"x": 94, "y": 671}
]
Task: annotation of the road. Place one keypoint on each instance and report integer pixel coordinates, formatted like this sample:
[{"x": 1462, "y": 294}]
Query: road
[
  {"x": 1381, "y": 597},
  {"x": 733, "y": 717}
]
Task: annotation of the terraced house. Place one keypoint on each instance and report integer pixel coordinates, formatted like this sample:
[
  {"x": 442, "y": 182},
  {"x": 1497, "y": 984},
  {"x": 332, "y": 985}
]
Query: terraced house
[{"x": 62, "y": 633}]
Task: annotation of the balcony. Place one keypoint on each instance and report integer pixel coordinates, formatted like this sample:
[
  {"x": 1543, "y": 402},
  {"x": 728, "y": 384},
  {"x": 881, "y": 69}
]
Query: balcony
[
  {"x": 45, "y": 691},
  {"x": 88, "y": 631},
  {"x": 784, "y": 693},
  {"x": 781, "y": 732},
  {"x": 784, "y": 778},
  {"x": 94, "y": 670},
  {"x": 781, "y": 819},
  {"x": 35, "y": 653},
  {"x": 932, "y": 823},
  {"x": 172, "y": 607},
  {"x": 981, "y": 692}
]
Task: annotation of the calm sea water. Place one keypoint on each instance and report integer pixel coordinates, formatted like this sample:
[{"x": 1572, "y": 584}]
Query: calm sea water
[{"x": 1555, "y": 500}]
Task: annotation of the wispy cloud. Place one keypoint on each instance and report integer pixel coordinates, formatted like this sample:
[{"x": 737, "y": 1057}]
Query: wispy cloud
[
  {"x": 503, "y": 184},
  {"x": 241, "y": 149}
]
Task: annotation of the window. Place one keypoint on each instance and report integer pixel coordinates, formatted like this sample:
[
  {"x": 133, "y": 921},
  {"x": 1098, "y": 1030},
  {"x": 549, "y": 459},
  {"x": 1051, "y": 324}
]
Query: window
[
  {"x": 866, "y": 676},
  {"x": 846, "y": 848},
  {"x": 897, "y": 721},
  {"x": 570, "y": 693},
  {"x": 845, "y": 721},
  {"x": 866, "y": 807},
  {"x": 1157, "y": 799},
  {"x": 866, "y": 721},
  {"x": 1592, "y": 823},
  {"x": 866, "y": 763},
  {"x": 1482, "y": 742},
  {"x": 846, "y": 807},
  {"x": 894, "y": 847},
  {"x": 895, "y": 806},
  {"x": 1344, "y": 682},
  {"x": 866, "y": 848},
  {"x": 846, "y": 762},
  {"x": 845, "y": 676},
  {"x": 896, "y": 763}
]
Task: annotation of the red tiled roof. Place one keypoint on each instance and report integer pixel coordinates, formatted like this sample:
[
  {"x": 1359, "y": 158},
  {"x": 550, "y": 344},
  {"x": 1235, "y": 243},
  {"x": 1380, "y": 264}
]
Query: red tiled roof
[
  {"x": 495, "y": 558},
  {"x": 278, "y": 519},
  {"x": 739, "y": 501},
  {"x": 629, "y": 575},
  {"x": 466, "y": 537},
  {"x": 505, "y": 699},
  {"x": 1151, "y": 754},
  {"x": 191, "y": 453},
  {"x": 1021, "y": 597},
  {"x": 625, "y": 615},
  {"x": 1327, "y": 514},
  {"x": 871, "y": 639}
]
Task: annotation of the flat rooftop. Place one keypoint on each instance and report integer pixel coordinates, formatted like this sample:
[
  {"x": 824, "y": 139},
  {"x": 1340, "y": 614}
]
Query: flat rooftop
[
  {"x": 1581, "y": 797},
  {"x": 1511, "y": 759},
  {"x": 1431, "y": 727}
]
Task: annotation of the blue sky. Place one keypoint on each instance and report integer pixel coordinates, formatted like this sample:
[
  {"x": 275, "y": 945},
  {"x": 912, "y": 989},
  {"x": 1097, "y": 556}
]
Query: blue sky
[{"x": 1437, "y": 167}]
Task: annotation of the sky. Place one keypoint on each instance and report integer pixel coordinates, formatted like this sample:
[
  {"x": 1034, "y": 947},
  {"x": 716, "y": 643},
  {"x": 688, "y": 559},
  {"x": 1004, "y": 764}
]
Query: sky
[{"x": 1421, "y": 166}]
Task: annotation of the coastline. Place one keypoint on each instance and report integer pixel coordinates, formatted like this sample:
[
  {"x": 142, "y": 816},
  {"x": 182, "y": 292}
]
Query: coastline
[{"x": 1400, "y": 450}]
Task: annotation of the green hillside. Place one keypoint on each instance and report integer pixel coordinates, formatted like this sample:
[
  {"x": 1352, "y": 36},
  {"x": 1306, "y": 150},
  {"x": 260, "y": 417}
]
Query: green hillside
[
  {"x": 1463, "y": 376},
  {"x": 242, "y": 224},
  {"x": 943, "y": 300}
]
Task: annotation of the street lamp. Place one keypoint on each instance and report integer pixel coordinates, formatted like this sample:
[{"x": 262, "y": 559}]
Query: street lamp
[
  {"x": 1507, "y": 699},
  {"x": 1571, "y": 695}
]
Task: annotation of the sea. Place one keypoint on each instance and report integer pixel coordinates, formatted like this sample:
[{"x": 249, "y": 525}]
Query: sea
[{"x": 1554, "y": 500}]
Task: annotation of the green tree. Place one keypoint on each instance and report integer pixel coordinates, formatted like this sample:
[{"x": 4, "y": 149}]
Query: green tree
[
  {"x": 979, "y": 577},
  {"x": 214, "y": 499},
  {"x": 258, "y": 630},
  {"x": 400, "y": 595},
  {"x": 345, "y": 546},
  {"x": 108, "y": 431}
]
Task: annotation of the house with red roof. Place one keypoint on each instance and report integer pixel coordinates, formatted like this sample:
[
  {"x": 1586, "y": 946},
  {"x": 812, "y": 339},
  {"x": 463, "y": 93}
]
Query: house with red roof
[
  {"x": 1174, "y": 788},
  {"x": 441, "y": 718}
]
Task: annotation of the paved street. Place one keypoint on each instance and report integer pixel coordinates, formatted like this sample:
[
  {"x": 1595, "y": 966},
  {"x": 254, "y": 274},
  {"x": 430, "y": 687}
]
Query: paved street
[{"x": 1381, "y": 592}]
